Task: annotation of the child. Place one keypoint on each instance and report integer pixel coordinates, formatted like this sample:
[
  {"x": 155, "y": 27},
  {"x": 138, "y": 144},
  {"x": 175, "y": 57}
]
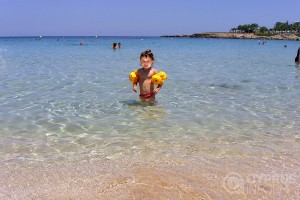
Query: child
[{"x": 147, "y": 91}]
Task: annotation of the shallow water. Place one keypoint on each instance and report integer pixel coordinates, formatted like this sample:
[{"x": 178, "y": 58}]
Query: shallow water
[{"x": 224, "y": 98}]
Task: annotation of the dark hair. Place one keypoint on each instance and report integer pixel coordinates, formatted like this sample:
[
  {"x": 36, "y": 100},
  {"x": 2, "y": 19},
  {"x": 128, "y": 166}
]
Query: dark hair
[{"x": 146, "y": 54}]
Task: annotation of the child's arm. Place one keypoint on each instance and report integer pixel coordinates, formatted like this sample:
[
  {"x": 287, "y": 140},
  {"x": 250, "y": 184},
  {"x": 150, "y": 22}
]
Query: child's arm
[
  {"x": 134, "y": 87},
  {"x": 159, "y": 86}
]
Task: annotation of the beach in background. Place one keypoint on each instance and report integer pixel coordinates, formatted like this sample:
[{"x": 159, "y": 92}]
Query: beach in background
[{"x": 225, "y": 125}]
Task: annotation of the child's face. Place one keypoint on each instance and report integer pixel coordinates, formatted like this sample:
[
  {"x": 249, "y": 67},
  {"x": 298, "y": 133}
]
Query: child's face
[{"x": 146, "y": 62}]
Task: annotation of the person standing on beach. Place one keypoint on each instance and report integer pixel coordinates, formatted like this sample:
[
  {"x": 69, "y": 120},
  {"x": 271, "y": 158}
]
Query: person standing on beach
[
  {"x": 147, "y": 90},
  {"x": 297, "y": 59}
]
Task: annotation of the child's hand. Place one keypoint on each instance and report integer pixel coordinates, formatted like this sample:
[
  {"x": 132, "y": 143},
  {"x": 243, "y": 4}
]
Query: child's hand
[
  {"x": 155, "y": 91},
  {"x": 134, "y": 88}
]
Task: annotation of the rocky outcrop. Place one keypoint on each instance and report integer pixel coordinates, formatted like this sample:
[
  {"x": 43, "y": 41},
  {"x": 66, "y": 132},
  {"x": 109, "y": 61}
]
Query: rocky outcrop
[{"x": 237, "y": 36}]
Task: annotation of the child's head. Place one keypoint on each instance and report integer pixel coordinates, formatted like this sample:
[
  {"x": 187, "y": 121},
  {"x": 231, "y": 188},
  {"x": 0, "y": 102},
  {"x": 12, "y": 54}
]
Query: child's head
[{"x": 147, "y": 59}]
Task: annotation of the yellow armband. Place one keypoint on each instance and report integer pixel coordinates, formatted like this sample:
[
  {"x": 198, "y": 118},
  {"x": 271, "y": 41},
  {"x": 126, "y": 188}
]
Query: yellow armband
[
  {"x": 159, "y": 78},
  {"x": 134, "y": 77}
]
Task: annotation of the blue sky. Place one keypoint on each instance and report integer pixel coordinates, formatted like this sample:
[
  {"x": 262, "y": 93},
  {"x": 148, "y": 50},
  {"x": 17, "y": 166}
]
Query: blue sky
[{"x": 138, "y": 17}]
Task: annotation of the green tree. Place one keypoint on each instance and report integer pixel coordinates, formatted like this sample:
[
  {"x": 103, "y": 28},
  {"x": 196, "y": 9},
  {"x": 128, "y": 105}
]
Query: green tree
[
  {"x": 263, "y": 29},
  {"x": 253, "y": 28},
  {"x": 280, "y": 26},
  {"x": 248, "y": 28}
]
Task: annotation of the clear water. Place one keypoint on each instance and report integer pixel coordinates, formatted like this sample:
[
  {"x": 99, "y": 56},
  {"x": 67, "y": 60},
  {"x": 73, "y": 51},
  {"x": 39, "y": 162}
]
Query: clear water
[{"x": 62, "y": 100}]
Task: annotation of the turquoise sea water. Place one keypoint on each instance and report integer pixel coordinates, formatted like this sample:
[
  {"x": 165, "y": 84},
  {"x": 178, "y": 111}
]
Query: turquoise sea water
[{"x": 62, "y": 100}]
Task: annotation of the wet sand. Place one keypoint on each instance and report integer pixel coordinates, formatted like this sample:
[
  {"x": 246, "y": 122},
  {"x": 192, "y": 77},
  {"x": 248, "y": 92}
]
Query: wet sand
[{"x": 185, "y": 177}]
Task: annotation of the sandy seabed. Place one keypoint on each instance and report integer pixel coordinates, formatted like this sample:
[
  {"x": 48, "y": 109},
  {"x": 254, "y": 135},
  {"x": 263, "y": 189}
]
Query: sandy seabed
[{"x": 185, "y": 177}]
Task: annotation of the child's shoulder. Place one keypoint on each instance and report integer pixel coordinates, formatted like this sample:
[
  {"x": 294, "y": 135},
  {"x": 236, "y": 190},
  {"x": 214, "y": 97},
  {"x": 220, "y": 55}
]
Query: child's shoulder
[
  {"x": 154, "y": 70},
  {"x": 139, "y": 69}
]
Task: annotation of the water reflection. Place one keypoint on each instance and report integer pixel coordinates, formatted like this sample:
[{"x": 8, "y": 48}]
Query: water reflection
[
  {"x": 137, "y": 103},
  {"x": 130, "y": 102},
  {"x": 152, "y": 113},
  {"x": 145, "y": 110}
]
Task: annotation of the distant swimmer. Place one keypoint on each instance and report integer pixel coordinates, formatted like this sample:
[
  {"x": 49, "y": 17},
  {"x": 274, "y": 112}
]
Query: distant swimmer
[
  {"x": 81, "y": 43},
  {"x": 119, "y": 45},
  {"x": 114, "y": 46},
  {"x": 297, "y": 59}
]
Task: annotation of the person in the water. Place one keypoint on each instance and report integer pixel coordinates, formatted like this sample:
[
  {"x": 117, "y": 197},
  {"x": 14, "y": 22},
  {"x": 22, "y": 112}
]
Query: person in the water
[
  {"x": 147, "y": 90},
  {"x": 297, "y": 59}
]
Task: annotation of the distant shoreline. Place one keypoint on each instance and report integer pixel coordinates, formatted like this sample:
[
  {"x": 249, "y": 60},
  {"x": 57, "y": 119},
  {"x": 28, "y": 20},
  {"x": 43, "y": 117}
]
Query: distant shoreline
[
  {"x": 236, "y": 36},
  {"x": 225, "y": 35}
]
